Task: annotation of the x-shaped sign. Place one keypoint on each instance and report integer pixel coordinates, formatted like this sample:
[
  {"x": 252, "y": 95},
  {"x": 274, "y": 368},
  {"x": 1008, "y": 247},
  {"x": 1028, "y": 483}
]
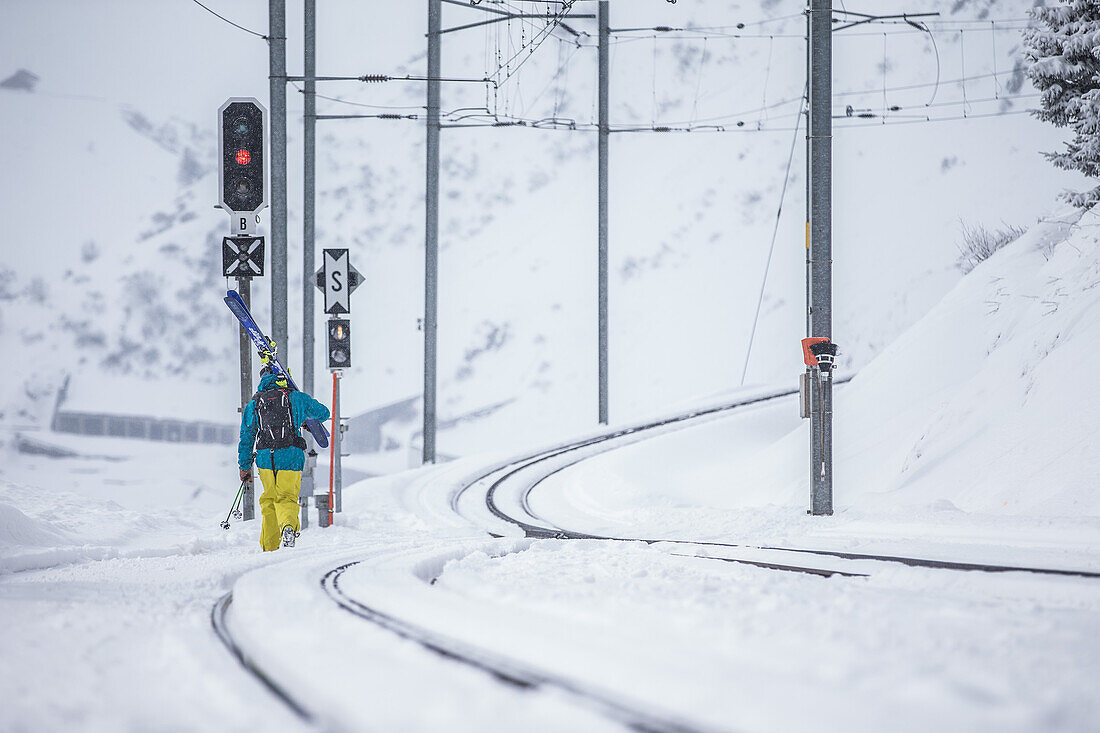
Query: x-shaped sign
[{"x": 243, "y": 256}]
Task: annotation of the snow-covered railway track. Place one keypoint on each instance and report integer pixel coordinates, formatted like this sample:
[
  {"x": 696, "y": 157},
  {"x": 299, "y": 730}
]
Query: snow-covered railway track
[
  {"x": 515, "y": 480},
  {"x": 505, "y": 669},
  {"x": 219, "y": 620},
  {"x": 766, "y": 556},
  {"x": 521, "y": 479}
]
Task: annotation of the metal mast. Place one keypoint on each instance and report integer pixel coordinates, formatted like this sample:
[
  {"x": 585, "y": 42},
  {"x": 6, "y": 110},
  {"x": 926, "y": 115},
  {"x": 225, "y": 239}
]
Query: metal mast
[
  {"x": 431, "y": 228},
  {"x": 604, "y": 135},
  {"x": 820, "y": 270},
  {"x": 309, "y": 170},
  {"x": 277, "y": 90}
]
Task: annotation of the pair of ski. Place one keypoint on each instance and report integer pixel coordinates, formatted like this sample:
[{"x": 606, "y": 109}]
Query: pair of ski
[{"x": 267, "y": 354}]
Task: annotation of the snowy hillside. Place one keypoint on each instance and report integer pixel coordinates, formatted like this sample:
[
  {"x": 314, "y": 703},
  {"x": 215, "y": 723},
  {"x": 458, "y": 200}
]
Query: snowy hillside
[
  {"x": 963, "y": 440},
  {"x": 973, "y": 421},
  {"x": 691, "y": 214},
  {"x": 956, "y": 587}
]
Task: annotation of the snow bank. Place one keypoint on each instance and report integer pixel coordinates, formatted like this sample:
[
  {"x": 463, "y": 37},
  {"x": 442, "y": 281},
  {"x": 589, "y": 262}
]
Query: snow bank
[
  {"x": 982, "y": 403},
  {"x": 971, "y": 429},
  {"x": 729, "y": 646},
  {"x": 16, "y": 529}
]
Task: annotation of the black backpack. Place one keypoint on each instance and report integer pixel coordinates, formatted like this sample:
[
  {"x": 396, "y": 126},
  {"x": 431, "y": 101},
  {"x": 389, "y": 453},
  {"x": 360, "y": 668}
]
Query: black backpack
[{"x": 275, "y": 417}]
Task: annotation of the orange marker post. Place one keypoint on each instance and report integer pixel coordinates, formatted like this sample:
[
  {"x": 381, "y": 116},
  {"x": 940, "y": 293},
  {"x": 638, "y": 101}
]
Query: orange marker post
[{"x": 332, "y": 454}]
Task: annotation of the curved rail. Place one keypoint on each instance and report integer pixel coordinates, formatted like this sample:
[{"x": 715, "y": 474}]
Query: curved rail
[
  {"x": 522, "y": 676},
  {"x": 504, "y": 669},
  {"x": 543, "y": 531},
  {"x": 532, "y": 530},
  {"x": 221, "y": 628}
]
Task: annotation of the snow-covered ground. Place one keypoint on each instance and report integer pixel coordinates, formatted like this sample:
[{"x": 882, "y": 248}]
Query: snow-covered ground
[
  {"x": 712, "y": 645},
  {"x": 966, "y": 433},
  {"x": 126, "y": 153},
  {"x": 115, "y": 602}
]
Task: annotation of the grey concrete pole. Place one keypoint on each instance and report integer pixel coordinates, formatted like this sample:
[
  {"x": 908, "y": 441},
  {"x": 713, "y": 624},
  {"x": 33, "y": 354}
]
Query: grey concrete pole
[
  {"x": 244, "y": 287},
  {"x": 431, "y": 228},
  {"x": 821, "y": 469},
  {"x": 277, "y": 89},
  {"x": 604, "y": 135},
  {"x": 309, "y": 167},
  {"x": 809, "y": 178}
]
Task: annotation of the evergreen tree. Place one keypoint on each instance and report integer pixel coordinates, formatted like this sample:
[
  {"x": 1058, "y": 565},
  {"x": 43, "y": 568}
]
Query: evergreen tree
[{"x": 1063, "y": 55}]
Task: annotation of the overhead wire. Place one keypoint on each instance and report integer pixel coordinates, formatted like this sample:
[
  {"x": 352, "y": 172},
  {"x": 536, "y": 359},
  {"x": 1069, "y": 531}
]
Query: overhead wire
[
  {"x": 936, "y": 49},
  {"x": 775, "y": 232},
  {"x": 533, "y": 45},
  {"x": 699, "y": 81},
  {"x": 767, "y": 78},
  {"x": 962, "y": 51},
  {"x": 848, "y": 93},
  {"x": 893, "y": 118},
  {"x": 697, "y": 32},
  {"x": 227, "y": 20},
  {"x": 358, "y": 104},
  {"x": 514, "y": 113},
  {"x": 654, "y": 78},
  {"x": 993, "y": 40},
  {"x": 885, "y": 71}
]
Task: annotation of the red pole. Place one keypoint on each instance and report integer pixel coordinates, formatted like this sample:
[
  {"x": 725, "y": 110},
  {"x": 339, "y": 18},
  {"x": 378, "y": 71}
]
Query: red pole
[{"x": 332, "y": 453}]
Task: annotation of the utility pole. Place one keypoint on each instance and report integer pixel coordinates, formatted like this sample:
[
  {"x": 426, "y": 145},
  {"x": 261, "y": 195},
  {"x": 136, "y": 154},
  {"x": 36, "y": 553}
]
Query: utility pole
[
  {"x": 309, "y": 168},
  {"x": 431, "y": 193},
  {"x": 431, "y": 228},
  {"x": 604, "y": 135},
  {"x": 277, "y": 90},
  {"x": 820, "y": 271}
]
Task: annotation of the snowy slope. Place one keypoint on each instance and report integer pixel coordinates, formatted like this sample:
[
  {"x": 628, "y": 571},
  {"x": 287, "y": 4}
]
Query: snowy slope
[
  {"x": 971, "y": 429},
  {"x": 691, "y": 218},
  {"x": 715, "y": 645},
  {"x": 965, "y": 435}
]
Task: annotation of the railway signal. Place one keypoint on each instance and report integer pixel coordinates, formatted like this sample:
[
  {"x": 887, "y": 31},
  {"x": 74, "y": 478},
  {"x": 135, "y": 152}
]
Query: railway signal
[
  {"x": 339, "y": 343},
  {"x": 337, "y": 279},
  {"x": 339, "y": 358},
  {"x": 241, "y": 194},
  {"x": 242, "y": 256},
  {"x": 242, "y": 162}
]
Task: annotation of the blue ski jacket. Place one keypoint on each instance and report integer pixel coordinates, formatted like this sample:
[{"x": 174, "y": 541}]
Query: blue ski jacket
[{"x": 302, "y": 405}]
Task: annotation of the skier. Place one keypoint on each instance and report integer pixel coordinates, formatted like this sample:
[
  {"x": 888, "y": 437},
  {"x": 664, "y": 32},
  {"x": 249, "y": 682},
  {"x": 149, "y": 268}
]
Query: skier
[{"x": 271, "y": 420}]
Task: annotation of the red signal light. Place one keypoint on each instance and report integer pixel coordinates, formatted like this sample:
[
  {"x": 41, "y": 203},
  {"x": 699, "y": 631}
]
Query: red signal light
[{"x": 243, "y": 157}]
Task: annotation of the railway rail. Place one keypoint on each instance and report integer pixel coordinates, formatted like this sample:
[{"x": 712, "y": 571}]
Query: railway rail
[{"x": 522, "y": 477}]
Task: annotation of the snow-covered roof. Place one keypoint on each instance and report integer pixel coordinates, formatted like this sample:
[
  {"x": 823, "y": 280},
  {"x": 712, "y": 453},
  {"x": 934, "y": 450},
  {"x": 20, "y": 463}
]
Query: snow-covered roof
[{"x": 182, "y": 399}]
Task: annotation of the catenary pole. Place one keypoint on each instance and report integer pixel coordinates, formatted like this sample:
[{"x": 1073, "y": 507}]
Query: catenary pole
[
  {"x": 604, "y": 135},
  {"x": 309, "y": 168},
  {"x": 809, "y": 187},
  {"x": 277, "y": 91},
  {"x": 431, "y": 228},
  {"x": 820, "y": 174}
]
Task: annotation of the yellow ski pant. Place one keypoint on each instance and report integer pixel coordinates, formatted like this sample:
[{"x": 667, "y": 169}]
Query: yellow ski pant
[{"x": 278, "y": 505}]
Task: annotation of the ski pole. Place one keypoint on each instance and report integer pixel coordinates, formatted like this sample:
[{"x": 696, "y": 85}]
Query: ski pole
[{"x": 233, "y": 510}]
